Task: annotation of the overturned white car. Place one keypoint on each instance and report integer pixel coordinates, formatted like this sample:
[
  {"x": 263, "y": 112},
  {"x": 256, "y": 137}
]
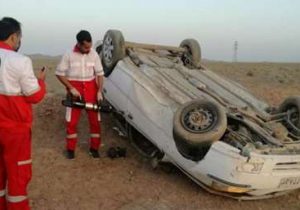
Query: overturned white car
[{"x": 174, "y": 109}]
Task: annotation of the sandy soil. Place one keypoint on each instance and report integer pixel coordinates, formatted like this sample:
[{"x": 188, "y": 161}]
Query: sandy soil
[{"x": 130, "y": 183}]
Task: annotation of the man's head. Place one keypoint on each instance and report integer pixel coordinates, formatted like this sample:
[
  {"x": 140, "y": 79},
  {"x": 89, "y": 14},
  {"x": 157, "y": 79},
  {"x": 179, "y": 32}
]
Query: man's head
[
  {"x": 10, "y": 32},
  {"x": 84, "y": 41}
]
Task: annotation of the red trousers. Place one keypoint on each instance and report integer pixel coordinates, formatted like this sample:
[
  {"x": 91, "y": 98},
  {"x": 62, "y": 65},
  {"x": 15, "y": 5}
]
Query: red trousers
[
  {"x": 15, "y": 168},
  {"x": 88, "y": 91}
]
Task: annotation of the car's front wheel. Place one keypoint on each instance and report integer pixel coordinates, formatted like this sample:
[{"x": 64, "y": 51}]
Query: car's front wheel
[
  {"x": 291, "y": 106},
  {"x": 197, "y": 124}
]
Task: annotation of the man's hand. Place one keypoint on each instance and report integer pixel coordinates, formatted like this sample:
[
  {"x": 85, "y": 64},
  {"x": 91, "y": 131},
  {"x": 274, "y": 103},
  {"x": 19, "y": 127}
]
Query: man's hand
[
  {"x": 99, "y": 96},
  {"x": 74, "y": 92},
  {"x": 42, "y": 74}
]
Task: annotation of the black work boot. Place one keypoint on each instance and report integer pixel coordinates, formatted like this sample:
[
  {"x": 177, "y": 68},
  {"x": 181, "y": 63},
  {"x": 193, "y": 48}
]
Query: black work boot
[
  {"x": 70, "y": 154},
  {"x": 94, "y": 153}
]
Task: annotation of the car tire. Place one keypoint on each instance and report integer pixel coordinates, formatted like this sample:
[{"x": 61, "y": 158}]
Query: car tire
[
  {"x": 192, "y": 57},
  {"x": 99, "y": 49},
  {"x": 292, "y": 106},
  {"x": 196, "y": 125},
  {"x": 113, "y": 50}
]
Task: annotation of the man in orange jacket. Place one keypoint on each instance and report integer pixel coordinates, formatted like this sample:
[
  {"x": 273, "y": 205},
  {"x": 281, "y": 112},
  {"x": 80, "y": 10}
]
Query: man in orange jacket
[
  {"x": 19, "y": 89},
  {"x": 80, "y": 71}
]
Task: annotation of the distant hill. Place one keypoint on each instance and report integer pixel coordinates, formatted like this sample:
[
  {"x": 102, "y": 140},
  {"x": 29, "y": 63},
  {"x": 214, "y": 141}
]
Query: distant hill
[{"x": 44, "y": 57}]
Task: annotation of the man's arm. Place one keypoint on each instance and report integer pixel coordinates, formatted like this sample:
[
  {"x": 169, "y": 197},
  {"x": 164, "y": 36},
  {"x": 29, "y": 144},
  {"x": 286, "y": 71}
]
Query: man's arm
[
  {"x": 64, "y": 81},
  {"x": 100, "y": 83},
  {"x": 61, "y": 69},
  {"x": 68, "y": 85},
  {"x": 34, "y": 89},
  {"x": 60, "y": 73},
  {"x": 100, "y": 86}
]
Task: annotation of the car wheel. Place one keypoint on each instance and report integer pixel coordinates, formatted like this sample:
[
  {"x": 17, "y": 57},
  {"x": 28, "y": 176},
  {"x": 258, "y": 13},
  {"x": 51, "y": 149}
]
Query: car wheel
[
  {"x": 192, "y": 57},
  {"x": 197, "y": 124},
  {"x": 99, "y": 49},
  {"x": 291, "y": 106},
  {"x": 113, "y": 50}
]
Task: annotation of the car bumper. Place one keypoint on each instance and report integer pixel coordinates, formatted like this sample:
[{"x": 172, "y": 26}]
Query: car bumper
[{"x": 224, "y": 170}]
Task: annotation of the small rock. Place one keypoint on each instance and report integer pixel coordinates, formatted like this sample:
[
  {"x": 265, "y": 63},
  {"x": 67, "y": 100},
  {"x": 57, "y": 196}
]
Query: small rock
[{"x": 250, "y": 74}]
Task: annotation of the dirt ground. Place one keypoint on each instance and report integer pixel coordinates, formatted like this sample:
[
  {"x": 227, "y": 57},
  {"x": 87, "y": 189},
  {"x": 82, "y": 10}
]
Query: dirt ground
[{"x": 130, "y": 183}]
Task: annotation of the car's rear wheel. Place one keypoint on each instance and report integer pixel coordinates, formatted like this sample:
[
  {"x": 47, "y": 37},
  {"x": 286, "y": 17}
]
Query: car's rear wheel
[
  {"x": 113, "y": 50},
  {"x": 291, "y": 106},
  {"x": 98, "y": 47},
  {"x": 192, "y": 57},
  {"x": 197, "y": 124}
]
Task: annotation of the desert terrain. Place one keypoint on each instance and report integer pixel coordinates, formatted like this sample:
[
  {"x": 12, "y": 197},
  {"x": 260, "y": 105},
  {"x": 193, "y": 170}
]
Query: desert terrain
[{"x": 130, "y": 183}]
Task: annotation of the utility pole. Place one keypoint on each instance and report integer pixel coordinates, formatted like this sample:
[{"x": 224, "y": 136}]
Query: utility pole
[{"x": 235, "y": 51}]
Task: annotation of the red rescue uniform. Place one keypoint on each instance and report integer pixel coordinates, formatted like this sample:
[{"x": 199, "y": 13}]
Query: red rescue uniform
[
  {"x": 19, "y": 89},
  {"x": 81, "y": 71}
]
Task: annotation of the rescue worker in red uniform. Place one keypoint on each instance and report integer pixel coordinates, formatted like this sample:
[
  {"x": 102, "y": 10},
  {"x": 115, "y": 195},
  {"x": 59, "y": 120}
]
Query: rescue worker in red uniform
[
  {"x": 80, "y": 71},
  {"x": 19, "y": 89}
]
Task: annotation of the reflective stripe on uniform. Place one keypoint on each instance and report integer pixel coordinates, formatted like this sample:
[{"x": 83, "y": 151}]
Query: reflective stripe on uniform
[
  {"x": 81, "y": 78},
  {"x": 10, "y": 94},
  {"x": 2, "y": 193},
  {"x": 33, "y": 91},
  {"x": 95, "y": 135},
  {"x": 24, "y": 162},
  {"x": 16, "y": 199},
  {"x": 68, "y": 114},
  {"x": 72, "y": 136}
]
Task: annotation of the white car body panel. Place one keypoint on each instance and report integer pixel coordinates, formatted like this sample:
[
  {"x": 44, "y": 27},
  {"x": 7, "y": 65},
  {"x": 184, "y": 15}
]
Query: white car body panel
[{"x": 143, "y": 97}]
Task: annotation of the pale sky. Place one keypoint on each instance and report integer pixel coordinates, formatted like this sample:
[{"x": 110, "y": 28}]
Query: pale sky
[{"x": 266, "y": 30}]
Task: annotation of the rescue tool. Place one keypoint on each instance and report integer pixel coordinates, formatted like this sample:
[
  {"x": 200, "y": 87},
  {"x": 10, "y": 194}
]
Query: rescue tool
[{"x": 81, "y": 104}]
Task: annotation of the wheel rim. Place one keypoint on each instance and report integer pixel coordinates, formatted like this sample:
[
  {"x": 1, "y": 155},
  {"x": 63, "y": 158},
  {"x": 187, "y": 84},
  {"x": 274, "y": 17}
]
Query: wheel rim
[
  {"x": 293, "y": 115},
  {"x": 198, "y": 120},
  {"x": 187, "y": 56},
  {"x": 108, "y": 49}
]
